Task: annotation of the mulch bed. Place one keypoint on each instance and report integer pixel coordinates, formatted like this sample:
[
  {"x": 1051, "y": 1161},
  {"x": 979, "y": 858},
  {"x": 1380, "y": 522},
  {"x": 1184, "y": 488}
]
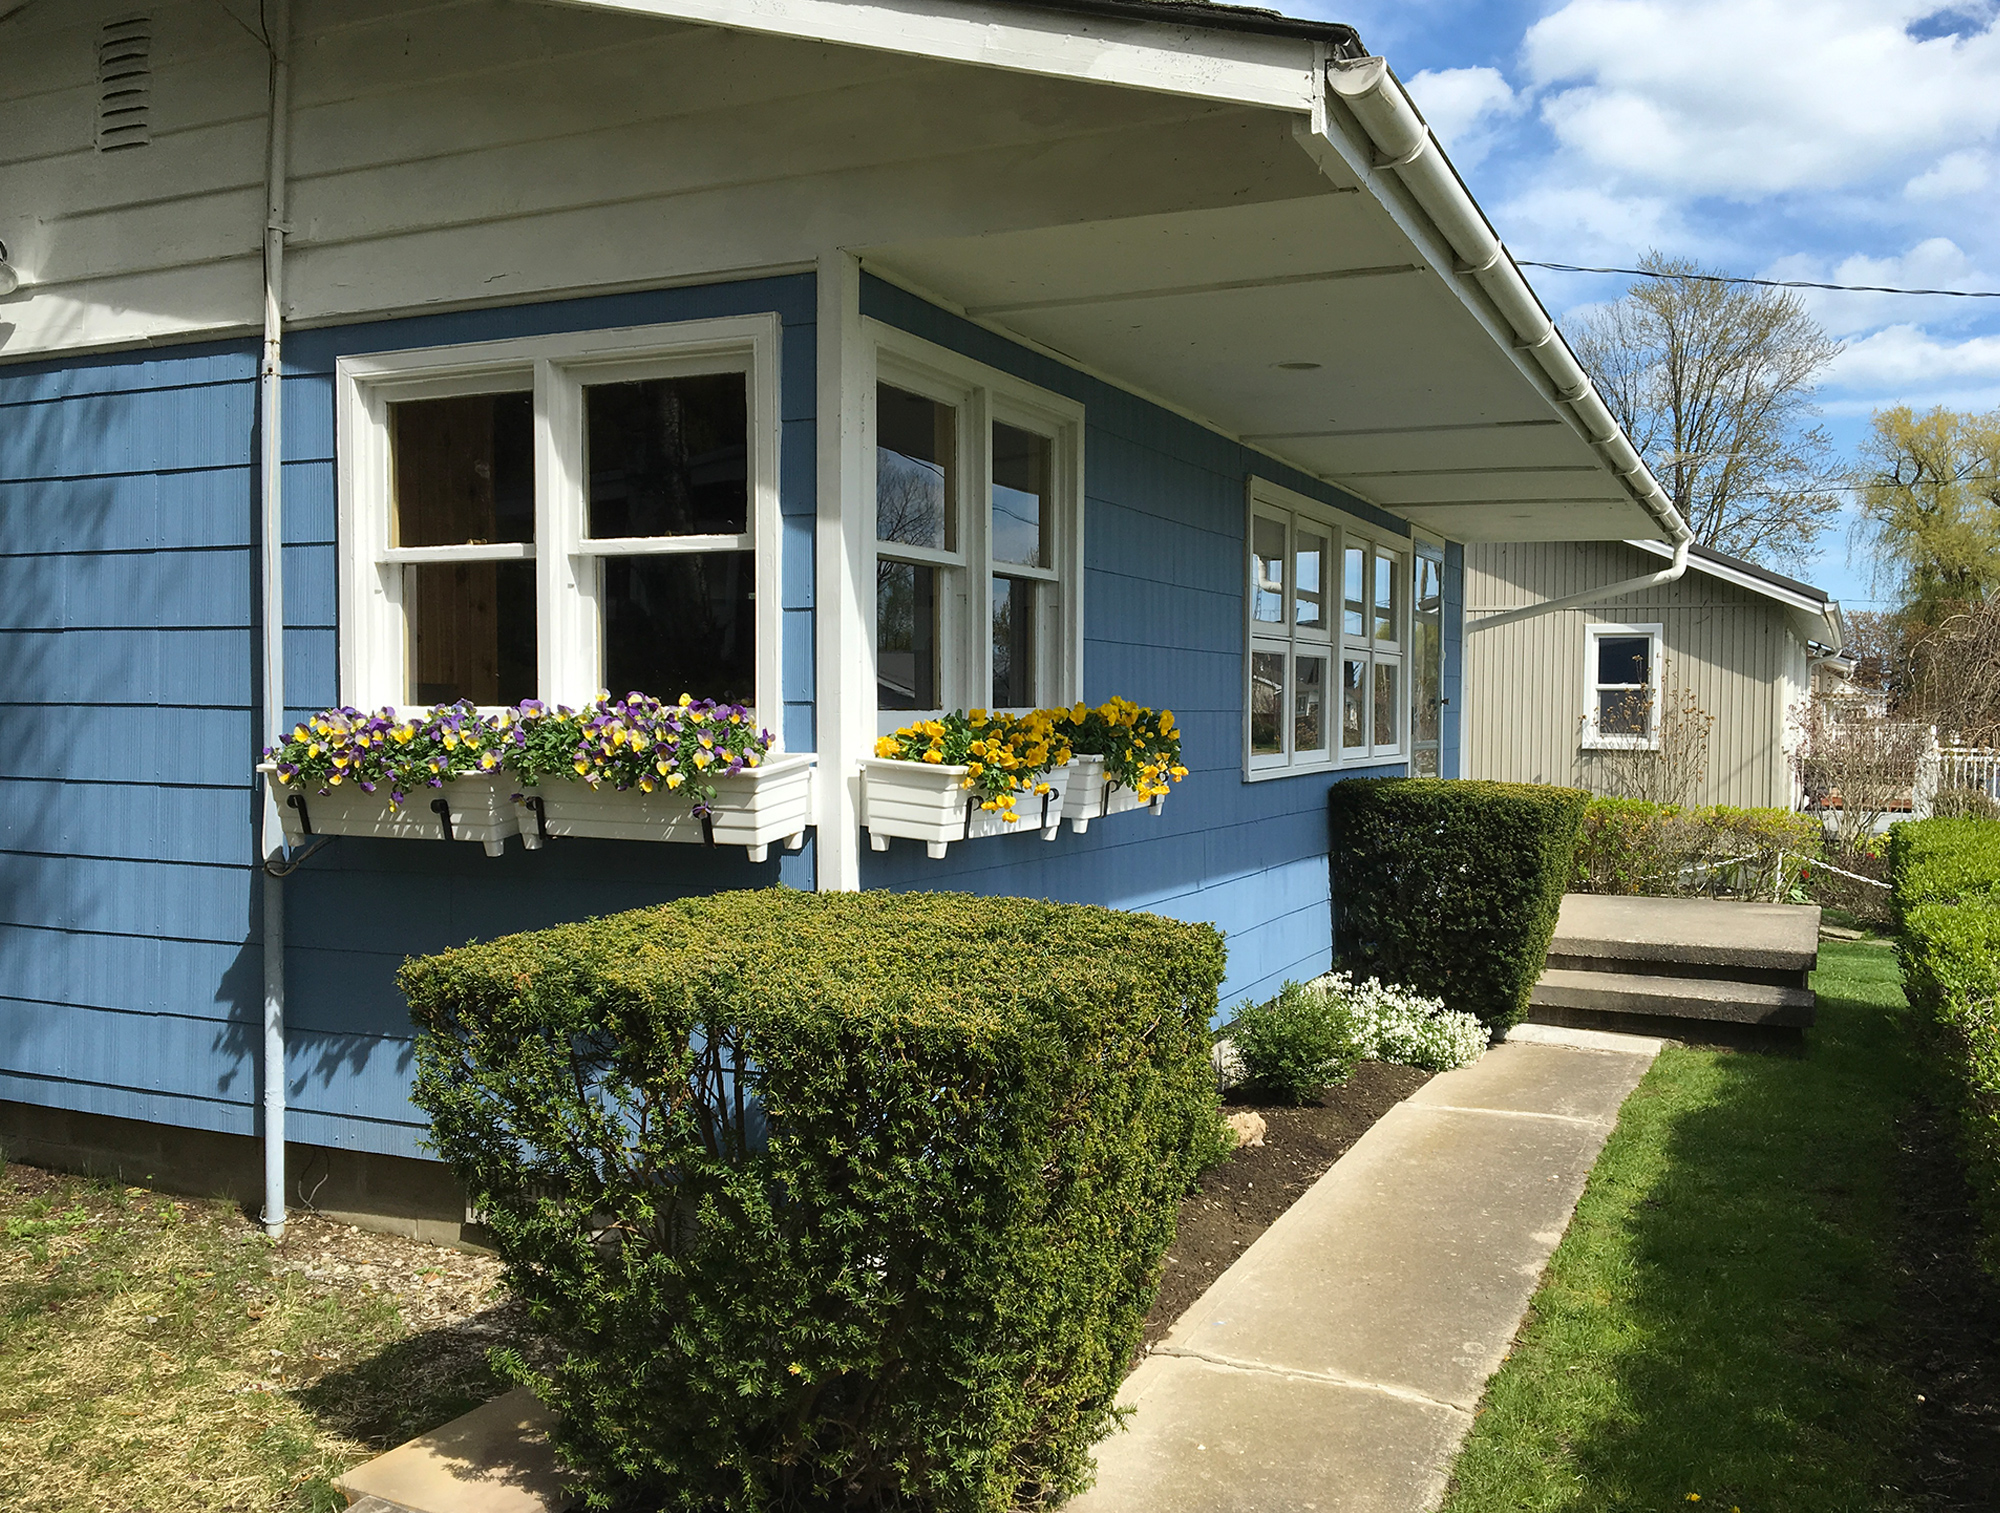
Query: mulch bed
[
  {"x": 1949, "y": 1343},
  {"x": 1243, "y": 1196}
]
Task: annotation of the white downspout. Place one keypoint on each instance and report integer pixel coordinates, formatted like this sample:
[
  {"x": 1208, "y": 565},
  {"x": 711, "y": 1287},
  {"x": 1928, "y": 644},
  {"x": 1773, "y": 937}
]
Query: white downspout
[
  {"x": 278, "y": 19},
  {"x": 1591, "y": 595}
]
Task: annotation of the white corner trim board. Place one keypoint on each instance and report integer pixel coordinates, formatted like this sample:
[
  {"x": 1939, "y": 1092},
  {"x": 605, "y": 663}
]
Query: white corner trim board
[{"x": 1201, "y": 62}]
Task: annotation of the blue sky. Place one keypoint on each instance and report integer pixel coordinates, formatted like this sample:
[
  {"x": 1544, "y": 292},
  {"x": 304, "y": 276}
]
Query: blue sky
[{"x": 1837, "y": 140}]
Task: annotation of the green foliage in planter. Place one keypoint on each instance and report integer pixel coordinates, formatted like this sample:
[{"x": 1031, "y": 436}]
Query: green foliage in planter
[
  {"x": 1632, "y": 846},
  {"x": 1451, "y": 888},
  {"x": 1297, "y": 1044},
  {"x": 1946, "y": 875},
  {"x": 829, "y": 1200}
]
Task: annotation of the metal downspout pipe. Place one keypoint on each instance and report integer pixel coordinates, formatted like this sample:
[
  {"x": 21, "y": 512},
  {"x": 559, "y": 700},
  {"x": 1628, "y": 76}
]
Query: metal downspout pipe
[
  {"x": 1376, "y": 99},
  {"x": 278, "y": 20}
]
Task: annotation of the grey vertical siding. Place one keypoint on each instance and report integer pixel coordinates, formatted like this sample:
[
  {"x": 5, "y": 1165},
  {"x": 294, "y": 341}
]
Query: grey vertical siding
[{"x": 1526, "y": 685}]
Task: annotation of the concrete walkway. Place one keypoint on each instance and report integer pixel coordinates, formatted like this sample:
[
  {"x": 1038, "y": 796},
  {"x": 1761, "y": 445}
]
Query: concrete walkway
[{"x": 1337, "y": 1363}]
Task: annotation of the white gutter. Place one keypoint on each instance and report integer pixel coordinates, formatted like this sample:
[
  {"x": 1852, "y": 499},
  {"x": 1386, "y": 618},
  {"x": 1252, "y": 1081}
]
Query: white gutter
[
  {"x": 270, "y": 437},
  {"x": 1378, "y": 102}
]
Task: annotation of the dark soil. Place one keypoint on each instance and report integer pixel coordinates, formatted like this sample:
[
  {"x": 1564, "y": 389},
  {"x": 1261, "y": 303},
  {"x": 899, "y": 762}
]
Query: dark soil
[
  {"x": 1243, "y": 1196},
  {"x": 1950, "y": 1339}
]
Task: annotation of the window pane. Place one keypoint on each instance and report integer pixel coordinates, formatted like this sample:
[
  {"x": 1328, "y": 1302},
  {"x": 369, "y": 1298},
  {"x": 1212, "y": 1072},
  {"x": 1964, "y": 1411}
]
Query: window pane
[
  {"x": 1022, "y": 508},
  {"x": 1308, "y": 582},
  {"x": 1353, "y": 709},
  {"x": 1355, "y": 586},
  {"x": 472, "y": 631},
  {"x": 464, "y": 470},
  {"x": 1623, "y": 659},
  {"x": 906, "y": 636},
  {"x": 916, "y": 465},
  {"x": 1309, "y": 723},
  {"x": 681, "y": 623},
  {"x": 669, "y": 457},
  {"x": 1427, "y": 659},
  {"x": 1388, "y": 707},
  {"x": 1013, "y": 643},
  {"x": 1623, "y": 711},
  {"x": 1384, "y": 597},
  {"x": 1267, "y": 703},
  {"x": 1267, "y": 561}
]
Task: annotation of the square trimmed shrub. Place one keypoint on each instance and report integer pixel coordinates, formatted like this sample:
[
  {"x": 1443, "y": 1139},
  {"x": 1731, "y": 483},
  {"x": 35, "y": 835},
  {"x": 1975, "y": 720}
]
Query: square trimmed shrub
[
  {"x": 1450, "y": 887},
  {"x": 1946, "y": 875},
  {"x": 828, "y": 1200}
]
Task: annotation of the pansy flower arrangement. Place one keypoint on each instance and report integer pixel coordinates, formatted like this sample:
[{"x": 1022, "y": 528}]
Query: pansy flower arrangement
[
  {"x": 383, "y": 749},
  {"x": 1141, "y": 747},
  {"x": 640, "y": 742},
  {"x": 1004, "y": 755}
]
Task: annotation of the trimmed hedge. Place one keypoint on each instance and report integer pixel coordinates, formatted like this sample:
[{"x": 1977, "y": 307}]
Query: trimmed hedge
[
  {"x": 828, "y": 1200},
  {"x": 1630, "y": 846},
  {"x": 1451, "y": 888},
  {"x": 1947, "y": 902}
]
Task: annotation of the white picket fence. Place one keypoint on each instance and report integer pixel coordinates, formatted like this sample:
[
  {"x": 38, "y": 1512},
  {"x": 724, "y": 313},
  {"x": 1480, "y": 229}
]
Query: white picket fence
[{"x": 1942, "y": 768}]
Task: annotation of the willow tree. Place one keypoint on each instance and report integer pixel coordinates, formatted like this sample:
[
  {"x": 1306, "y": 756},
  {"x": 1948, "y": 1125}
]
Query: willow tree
[
  {"x": 1714, "y": 383},
  {"x": 1931, "y": 501}
]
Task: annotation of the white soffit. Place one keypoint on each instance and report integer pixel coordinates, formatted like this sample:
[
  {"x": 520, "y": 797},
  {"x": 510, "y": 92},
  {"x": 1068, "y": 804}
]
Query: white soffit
[{"x": 1412, "y": 405}]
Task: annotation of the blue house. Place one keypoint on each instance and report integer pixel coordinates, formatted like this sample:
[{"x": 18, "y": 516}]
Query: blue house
[{"x": 853, "y": 360}]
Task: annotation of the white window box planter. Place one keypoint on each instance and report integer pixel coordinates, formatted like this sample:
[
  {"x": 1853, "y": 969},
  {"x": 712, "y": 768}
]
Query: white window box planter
[
  {"x": 474, "y": 807},
  {"x": 752, "y": 808},
  {"x": 1091, "y": 795},
  {"x": 929, "y": 803}
]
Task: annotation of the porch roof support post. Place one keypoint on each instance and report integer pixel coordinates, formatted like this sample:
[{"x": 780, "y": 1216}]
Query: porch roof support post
[{"x": 844, "y": 656}]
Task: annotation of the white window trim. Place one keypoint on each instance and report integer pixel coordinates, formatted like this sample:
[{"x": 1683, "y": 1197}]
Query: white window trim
[
  {"x": 1423, "y": 543},
  {"x": 981, "y": 395},
  {"x": 1592, "y": 738},
  {"x": 1341, "y": 530},
  {"x": 373, "y": 630}
]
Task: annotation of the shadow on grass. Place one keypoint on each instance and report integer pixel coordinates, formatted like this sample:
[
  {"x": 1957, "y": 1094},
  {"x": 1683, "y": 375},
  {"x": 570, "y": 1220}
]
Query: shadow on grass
[{"x": 1719, "y": 1319}]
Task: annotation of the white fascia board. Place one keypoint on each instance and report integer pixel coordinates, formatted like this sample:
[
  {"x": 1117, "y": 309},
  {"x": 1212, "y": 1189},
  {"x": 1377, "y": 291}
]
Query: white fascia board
[
  {"x": 1822, "y": 614},
  {"x": 1243, "y": 68}
]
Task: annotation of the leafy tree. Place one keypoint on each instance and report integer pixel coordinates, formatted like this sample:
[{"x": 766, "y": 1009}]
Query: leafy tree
[
  {"x": 1714, "y": 384},
  {"x": 1931, "y": 503}
]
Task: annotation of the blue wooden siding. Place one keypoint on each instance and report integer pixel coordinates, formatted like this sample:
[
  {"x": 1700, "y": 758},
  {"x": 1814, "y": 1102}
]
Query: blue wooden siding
[
  {"x": 130, "y": 943},
  {"x": 1163, "y": 624},
  {"x": 130, "y": 946}
]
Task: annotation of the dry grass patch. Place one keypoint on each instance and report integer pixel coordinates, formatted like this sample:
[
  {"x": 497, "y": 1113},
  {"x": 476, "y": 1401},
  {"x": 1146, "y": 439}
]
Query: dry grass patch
[{"x": 160, "y": 1353}]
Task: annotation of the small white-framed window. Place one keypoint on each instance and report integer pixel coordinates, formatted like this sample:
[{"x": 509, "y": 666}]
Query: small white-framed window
[
  {"x": 1426, "y": 658},
  {"x": 978, "y": 539},
  {"x": 1622, "y": 682},
  {"x": 550, "y": 516},
  {"x": 1326, "y": 612}
]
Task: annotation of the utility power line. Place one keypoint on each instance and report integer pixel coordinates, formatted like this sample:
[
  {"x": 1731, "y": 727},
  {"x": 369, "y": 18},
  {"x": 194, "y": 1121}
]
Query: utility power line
[{"x": 1765, "y": 283}]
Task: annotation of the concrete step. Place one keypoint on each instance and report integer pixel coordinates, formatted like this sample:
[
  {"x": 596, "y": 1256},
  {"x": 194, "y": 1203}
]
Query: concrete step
[
  {"x": 1651, "y": 996},
  {"x": 1748, "y": 941},
  {"x": 1777, "y": 977}
]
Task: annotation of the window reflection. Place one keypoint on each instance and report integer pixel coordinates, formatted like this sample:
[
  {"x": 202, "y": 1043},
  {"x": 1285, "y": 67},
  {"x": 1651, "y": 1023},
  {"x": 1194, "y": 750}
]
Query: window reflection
[
  {"x": 906, "y": 636},
  {"x": 1308, "y": 590},
  {"x": 1013, "y": 643},
  {"x": 1267, "y": 561},
  {"x": 1022, "y": 508},
  {"x": 464, "y": 470},
  {"x": 1354, "y": 584},
  {"x": 915, "y": 470},
  {"x": 1309, "y": 730},
  {"x": 669, "y": 456},
  {"x": 1353, "y": 709},
  {"x": 1267, "y": 703},
  {"x": 683, "y": 622}
]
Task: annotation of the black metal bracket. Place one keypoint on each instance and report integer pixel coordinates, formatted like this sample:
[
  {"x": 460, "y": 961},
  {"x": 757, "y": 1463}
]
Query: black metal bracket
[
  {"x": 534, "y": 803},
  {"x": 708, "y": 830},
  {"x": 442, "y": 809},
  {"x": 298, "y": 801}
]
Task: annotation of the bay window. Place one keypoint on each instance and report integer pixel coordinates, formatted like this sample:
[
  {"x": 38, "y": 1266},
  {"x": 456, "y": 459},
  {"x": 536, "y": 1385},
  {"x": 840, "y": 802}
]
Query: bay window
[
  {"x": 548, "y": 517},
  {"x": 1326, "y": 607}
]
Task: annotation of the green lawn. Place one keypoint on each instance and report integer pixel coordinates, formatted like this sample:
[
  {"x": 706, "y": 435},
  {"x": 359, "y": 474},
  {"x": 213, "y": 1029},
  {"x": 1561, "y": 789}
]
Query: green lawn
[{"x": 1713, "y": 1330}]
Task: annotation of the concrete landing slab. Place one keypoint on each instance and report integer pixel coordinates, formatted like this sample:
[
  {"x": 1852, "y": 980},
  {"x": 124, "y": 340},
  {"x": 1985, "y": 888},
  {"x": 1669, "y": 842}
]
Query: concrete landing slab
[
  {"x": 1587, "y": 1040},
  {"x": 1697, "y": 931},
  {"x": 1338, "y": 1362},
  {"x": 1222, "y": 1440},
  {"x": 495, "y": 1459}
]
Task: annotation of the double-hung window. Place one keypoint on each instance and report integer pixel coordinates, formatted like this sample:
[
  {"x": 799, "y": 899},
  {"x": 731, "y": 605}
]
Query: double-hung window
[
  {"x": 1426, "y": 661},
  {"x": 1326, "y": 606},
  {"x": 549, "y": 517},
  {"x": 1622, "y": 676},
  {"x": 978, "y": 536}
]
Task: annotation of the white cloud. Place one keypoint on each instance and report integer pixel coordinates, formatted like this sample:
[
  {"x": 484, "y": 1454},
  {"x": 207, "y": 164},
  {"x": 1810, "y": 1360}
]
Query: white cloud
[
  {"x": 1907, "y": 361},
  {"x": 1744, "y": 98},
  {"x": 1462, "y": 106},
  {"x": 1569, "y": 222},
  {"x": 1934, "y": 263},
  {"x": 1964, "y": 172}
]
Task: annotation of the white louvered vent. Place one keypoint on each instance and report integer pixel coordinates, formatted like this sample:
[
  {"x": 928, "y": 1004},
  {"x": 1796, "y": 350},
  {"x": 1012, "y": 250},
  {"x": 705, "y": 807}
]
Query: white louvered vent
[{"x": 125, "y": 85}]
